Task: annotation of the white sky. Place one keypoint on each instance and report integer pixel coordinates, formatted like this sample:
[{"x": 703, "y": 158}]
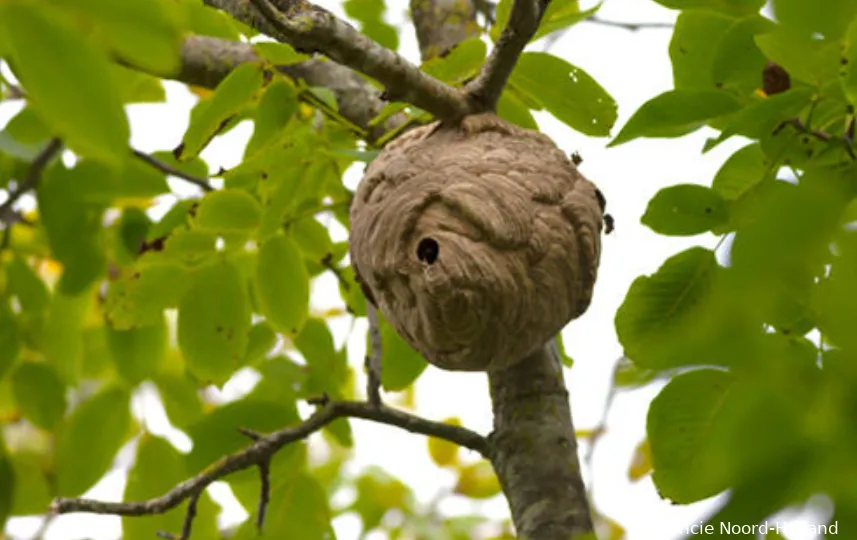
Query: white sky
[{"x": 633, "y": 67}]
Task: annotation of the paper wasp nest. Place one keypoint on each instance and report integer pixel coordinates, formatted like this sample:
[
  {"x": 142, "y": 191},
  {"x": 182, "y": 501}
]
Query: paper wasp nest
[{"x": 478, "y": 242}]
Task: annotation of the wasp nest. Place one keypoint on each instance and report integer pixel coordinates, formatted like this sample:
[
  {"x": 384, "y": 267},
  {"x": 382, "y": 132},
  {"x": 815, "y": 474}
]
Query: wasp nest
[{"x": 478, "y": 242}]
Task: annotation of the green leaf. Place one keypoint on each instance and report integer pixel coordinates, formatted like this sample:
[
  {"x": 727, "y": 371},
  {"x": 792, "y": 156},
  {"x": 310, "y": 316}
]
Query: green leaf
[
  {"x": 229, "y": 98},
  {"x": 74, "y": 229},
  {"x": 144, "y": 33},
  {"x": 40, "y": 394},
  {"x": 734, "y": 7},
  {"x": 213, "y": 322},
  {"x": 282, "y": 285},
  {"x": 801, "y": 17},
  {"x": 28, "y": 129},
  {"x": 340, "y": 429},
  {"x": 62, "y": 341},
  {"x": 810, "y": 60},
  {"x": 627, "y": 374},
  {"x": 370, "y": 15},
  {"x": 561, "y": 15},
  {"x": 675, "y": 113},
  {"x": 260, "y": 341},
  {"x": 32, "y": 496},
  {"x": 177, "y": 216},
  {"x": 137, "y": 87},
  {"x": 685, "y": 210},
  {"x": 848, "y": 73},
  {"x": 737, "y": 61},
  {"x": 228, "y": 210},
  {"x": 299, "y": 508},
  {"x": 216, "y": 434},
  {"x": 191, "y": 247},
  {"x": 180, "y": 397},
  {"x": 566, "y": 91},
  {"x": 10, "y": 337},
  {"x": 744, "y": 170},
  {"x": 24, "y": 284},
  {"x": 763, "y": 116},
  {"x": 837, "y": 316},
  {"x": 401, "y": 365},
  {"x": 67, "y": 80},
  {"x": 97, "y": 429},
  {"x": 276, "y": 107},
  {"x": 328, "y": 368},
  {"x": 140, "y": 295},
  {"x": 8, "y": 484},
  {"x": 279, "y": 54},
  {"x": 312, "y": 237},
  {"x": 138, "y": 352},
  {"x": 129, "y": 235},
  {"x": 157, "y": 468},
  {"x": 660, "y": 313},
  {"x": 680, "y": 422},
  {"x": 691, "y": 49},
  {"x": 510, "y": 108},
  {"x": 461, "y": 64}
]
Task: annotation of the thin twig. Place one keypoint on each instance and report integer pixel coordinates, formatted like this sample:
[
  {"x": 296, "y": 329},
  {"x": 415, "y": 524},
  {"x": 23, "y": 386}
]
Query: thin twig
[
  {"x": 262, "y": 450},
  {"x": 823, "y": 136},
  {"x": 312, "y": 28},
  {"x": 633, "y": 27},
  {"x": 165, "y": 168},
  {"x": 34, "y": 175},
  {"x": 264, "y": 493},
  {"x": 373, "y": 356},
  {"x": 188, "y": 519},
  {"x": 523, "y": 23},
  {"x": 315, "y": 210}
]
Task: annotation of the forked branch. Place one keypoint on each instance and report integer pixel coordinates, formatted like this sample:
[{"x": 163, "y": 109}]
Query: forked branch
[{"x": 259, "y": 453}]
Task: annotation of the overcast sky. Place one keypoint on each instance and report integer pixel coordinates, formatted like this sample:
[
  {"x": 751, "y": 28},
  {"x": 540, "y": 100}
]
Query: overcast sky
[{"x": 633, "y": 67}]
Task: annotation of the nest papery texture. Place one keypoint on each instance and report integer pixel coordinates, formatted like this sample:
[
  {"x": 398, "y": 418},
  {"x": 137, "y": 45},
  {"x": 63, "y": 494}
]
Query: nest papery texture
[{"x": 478, "y": 242}]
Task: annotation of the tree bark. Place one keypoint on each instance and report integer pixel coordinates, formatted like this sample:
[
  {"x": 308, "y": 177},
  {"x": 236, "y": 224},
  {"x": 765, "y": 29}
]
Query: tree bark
[
  {"x": 534, "y": 450},
  {"x": 443, "y": 24}
]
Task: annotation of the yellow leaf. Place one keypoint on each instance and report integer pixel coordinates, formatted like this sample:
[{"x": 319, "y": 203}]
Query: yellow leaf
[
  {"x": 477, "y": 481},
  {"x": 641, "y": 461},
  {"x": 444, "y": 453},
  {"x": 608, "y": 529},
  {"x": 592, "y": 433},
  {"x": 202, "y": 93}
]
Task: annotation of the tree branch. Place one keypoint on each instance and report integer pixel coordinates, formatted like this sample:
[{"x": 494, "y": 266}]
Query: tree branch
[
  {"x": 34, "y": 175},
  {"x": 205, "y": 61},
  {"x": 534, "y": 451},
  {"x": 202, "y": 183},
  {"x": 442, "y": 24},
  {"x": 523, "y": 22},
  {"x": 632, "y": 27},
  {"x": 259, "y": 453},
  {"x": 308, "y": 27}
]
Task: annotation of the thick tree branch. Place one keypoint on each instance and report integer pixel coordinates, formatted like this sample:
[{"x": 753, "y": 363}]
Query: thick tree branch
[
  {"x": 259, "y": 453},
  {"x": 310, "y": 28},
  {"x": 534, "y": 451},
  {"x": 205, "y": 61},
  {"x": 443, "y": 24},
  {"x": 523, "y": 22}
]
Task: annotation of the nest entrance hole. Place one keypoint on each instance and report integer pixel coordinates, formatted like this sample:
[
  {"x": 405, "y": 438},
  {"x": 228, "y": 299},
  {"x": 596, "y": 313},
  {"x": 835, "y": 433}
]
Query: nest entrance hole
[{"x": 428, "y": 250}]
